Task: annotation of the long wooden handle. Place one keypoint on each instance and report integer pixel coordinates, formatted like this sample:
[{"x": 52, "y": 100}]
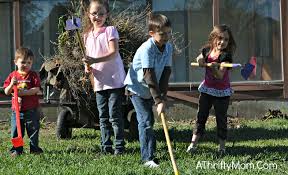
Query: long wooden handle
[
  {"x": 169, "y": 144},
  {"x": 222, "y": 64},
  {"x": 81, "y": 44}
]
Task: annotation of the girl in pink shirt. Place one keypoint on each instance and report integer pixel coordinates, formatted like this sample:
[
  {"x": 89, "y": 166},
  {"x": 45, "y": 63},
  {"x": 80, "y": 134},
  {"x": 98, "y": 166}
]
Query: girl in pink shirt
[{"x": 105, "y": 63}]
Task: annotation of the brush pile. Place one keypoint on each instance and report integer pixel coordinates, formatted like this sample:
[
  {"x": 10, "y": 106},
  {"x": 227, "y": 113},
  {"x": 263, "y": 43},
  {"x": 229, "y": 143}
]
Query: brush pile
[{"x": 131, "y": 25}]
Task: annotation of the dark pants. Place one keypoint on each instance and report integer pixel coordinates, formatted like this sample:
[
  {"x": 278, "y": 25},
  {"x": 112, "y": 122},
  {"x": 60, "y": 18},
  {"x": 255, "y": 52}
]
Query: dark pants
[
  {"x": 220, "y": 106},
  {"x": 30, "y": 120},
  {"x": 145, "y": 118},
  {"x": 109, "y": 104}
]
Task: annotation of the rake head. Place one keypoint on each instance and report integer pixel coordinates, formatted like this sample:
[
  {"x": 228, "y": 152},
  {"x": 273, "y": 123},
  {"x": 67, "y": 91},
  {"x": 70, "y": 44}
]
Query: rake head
[
  {"x": 247, "y": 70},
  {"x": 73, "y": 24}
]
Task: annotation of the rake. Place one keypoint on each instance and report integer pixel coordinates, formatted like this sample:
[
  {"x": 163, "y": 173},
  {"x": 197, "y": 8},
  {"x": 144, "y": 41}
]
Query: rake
[
  {"x": 75, "y": 24},
  {"x": 176, "y": 172},
  {"x": 246, "y": 70}
]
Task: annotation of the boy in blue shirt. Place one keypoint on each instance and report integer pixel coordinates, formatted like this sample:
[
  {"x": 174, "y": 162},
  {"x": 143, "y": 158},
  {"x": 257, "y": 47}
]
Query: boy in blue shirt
[{"x": 147, "y": 82}]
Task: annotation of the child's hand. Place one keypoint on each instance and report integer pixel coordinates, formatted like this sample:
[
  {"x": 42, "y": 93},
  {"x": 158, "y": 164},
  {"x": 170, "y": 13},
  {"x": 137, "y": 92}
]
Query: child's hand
[
  {"x": 201, "y": 60},
  {"x": 214, "y": 66},
  {"x": 201, "y": 63},
  {"x": 88, "y": 60},
  {"x": 13, "y": 81},
  {"x": 160, "y": 108},
  {"x": 87, "y": 69},
  {"x": 19, "y": 101}
]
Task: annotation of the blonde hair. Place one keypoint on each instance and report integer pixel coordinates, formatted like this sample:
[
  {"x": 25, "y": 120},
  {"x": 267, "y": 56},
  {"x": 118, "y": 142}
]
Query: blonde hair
[{"x": 24, "y": 53}]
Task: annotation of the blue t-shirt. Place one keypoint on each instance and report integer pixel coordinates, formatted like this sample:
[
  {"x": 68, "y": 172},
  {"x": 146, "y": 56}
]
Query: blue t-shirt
[{"x": 147, "y": 56}]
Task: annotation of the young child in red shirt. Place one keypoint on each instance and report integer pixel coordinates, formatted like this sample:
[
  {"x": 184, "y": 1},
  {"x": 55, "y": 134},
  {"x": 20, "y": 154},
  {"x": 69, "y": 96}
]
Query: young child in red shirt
[{"x": 28, "y": 83}]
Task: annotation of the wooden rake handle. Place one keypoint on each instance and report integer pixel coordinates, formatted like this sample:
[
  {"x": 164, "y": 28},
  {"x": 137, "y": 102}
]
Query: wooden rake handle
[
  {"x": 176, "y": 172},
  {"x": 223, "y": 64}
]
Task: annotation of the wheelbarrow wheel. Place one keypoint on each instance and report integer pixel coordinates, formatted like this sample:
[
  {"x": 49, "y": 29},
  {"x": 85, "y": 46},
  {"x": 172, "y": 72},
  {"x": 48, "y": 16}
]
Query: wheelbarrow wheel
[{"x": 62, "y": 130}]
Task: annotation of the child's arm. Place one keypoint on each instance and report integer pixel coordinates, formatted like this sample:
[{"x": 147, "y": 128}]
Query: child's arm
[
  {"x": 112, "y": 53},
  {"x": 32, "y": 91},
  {"x": 201, "y": 60},
  {"x": 164, "y": 80},
  {"x": 8, "y": 90},
  {"x": 151, "y": 81}
]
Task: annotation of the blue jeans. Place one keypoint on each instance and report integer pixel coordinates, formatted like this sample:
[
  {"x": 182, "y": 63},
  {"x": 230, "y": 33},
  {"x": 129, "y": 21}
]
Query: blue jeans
[
  {"x": 29, "y": 119},
  {"x": 145, "y": 117},
  {"x": 109, "y": 104}
]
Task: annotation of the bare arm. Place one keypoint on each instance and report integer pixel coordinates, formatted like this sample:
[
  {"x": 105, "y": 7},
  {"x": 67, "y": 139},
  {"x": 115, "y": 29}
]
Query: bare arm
[
  {"x": 8, "y": 90},
  {"x": 32, "y": 91},
  {"x": 112, "y": 52}
]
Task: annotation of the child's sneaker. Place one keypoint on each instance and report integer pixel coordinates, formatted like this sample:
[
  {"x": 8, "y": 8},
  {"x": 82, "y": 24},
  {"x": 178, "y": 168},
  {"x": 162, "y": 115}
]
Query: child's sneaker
[
  {"x": 15, "y": 154},
  {"x": 191, "y": 148},
  {"x": 221, "y": 152},
  {"x": 151, "y": 164},
  {"x": 36, "y": 151},
  {"x": 118, "y": 152}
]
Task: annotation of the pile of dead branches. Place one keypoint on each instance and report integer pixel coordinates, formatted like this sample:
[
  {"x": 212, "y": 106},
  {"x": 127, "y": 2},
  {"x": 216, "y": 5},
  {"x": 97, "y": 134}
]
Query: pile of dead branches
[{"x": 131, "y": 25}]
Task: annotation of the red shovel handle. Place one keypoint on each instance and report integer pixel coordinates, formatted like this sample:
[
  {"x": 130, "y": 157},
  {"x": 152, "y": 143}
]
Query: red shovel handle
[
  {"x": 17, "y": 111},
  {"x": 17, "y": 141}
]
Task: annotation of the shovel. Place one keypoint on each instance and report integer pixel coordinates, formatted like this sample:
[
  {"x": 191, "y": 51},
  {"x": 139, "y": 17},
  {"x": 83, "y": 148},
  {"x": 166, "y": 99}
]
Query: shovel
[
  {"x": 17, "y": 141},
  {"x": 245, "y": 71},
  {"x": 169, "y": 144}
]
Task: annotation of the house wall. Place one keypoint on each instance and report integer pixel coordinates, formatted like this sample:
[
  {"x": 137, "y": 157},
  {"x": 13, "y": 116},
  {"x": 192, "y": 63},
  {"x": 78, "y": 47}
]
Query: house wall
[{"x": 193, "y": 18}]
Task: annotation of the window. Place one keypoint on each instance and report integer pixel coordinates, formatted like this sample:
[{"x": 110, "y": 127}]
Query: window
[
  {"x": 192, "y": 19},
  {"x": 256, "y": 29},
  {"x": 39, "y": 21},
  {"x": 6, "y": 41}
]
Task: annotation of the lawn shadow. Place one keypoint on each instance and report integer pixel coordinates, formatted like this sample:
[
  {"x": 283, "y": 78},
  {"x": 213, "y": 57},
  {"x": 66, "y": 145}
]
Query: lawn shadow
[
  {"x": 248, "y": 133},
  {"x": 254, "y": 152},
  {"x": 234, "y": 135},
  {"x": 76, "y": 149},
  {"x": 85, "y": 136}
]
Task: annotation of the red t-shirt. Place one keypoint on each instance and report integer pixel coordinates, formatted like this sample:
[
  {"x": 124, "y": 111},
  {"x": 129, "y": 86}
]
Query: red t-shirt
[{"x": 28, "y": 81}]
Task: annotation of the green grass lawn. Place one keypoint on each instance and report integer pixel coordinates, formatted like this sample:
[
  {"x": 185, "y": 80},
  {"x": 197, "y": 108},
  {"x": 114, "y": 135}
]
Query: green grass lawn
[{"x": 255, "y": 147}]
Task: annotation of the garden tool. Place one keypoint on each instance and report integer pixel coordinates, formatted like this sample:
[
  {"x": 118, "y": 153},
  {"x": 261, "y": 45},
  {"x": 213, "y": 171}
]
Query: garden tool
[
  {"x": 17, "y": 141},
  {"x": 169, "y": 144},
  {"x": 75, "y": 24},
  {"x": 231, "y": 65},
  {"x": 249, "y": 68},
  {"x": 246, "y": 70}
]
